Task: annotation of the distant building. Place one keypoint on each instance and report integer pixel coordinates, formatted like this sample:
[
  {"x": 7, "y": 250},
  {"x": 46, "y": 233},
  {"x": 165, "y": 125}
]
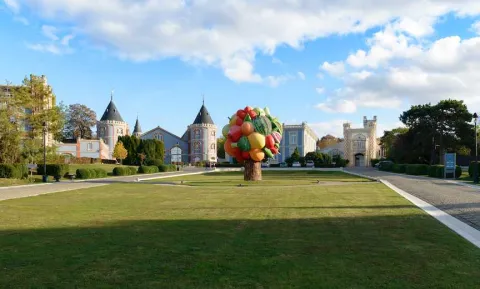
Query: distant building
[
  {"x": 334, "y": 149},
  {"x": 111, "y": 126},
  {"x": 361, "y": 144},
  {"x": 197, "y": 144},
  {"x": 299, "y": 136},
  {"x": 84, "y": 148}
]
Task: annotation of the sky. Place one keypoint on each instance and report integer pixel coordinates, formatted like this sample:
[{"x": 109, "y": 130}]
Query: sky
[{"x": 317, "y": 61}]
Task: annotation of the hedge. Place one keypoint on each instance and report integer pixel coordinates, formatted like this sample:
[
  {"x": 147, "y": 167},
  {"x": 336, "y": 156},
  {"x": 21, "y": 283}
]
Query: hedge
[
  {"x": 386, "y": 166},
  {"x": 147, "y": 169},
  {"x": 437, "y": 171},
  {"x": 54, "y": 170},
  {"x": 124, "y": 171},
  {"x": 471, "y": 168},
  {"x": 91, "y": 173},
  {"x": 17, "y": 171},
  {"x": 399, "y": 168},
  {"x": 167, "y": 168},
  {"x": 154, "y": 162},
  {"x": 417, "y": 170}
]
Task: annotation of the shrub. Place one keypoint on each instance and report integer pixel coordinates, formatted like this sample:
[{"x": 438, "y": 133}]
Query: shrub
[
  {"x": 124, "y": 171},
  {"x": 83, "y": 174},
  {"x": 147, "y": 169},
  {"x": 373, "y": 162},
  {"x": 8, "y": 171},
  {"x": 54, "y": 169},
  {"x": 22, "y": 170},
  {"x": 399, "y": 168},
  {"x": 438, "y": 171},
  {"x": 471, "y": 168},
  {"x": 458, "y": 172},
  {"x": 156, "y": 162},
  {"x": 417, "y": 170},
  {"x": 386, "y": 166},
  {"x": 100, "y": 173}
]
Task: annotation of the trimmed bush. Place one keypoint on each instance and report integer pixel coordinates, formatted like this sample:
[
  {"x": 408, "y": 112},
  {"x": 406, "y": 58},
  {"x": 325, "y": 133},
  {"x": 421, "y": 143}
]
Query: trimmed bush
[
  {"x": 417, "y": 170},
  {"x": 90, "y": 173},
  {"x": 54, "y": 169},
  {"x": 471, "y": 168},
  {"x": 386, "y": 166},
  {"x": 147, "y": 169},
  {"x": 458, "y": 172},
  {"x": 124, "y": 171},
  {"x": 8, "y": 171},
  {"x": 154, "y": 162},
  {"x": 399, "y": 168},
  {"x": 437, "y": 171}
]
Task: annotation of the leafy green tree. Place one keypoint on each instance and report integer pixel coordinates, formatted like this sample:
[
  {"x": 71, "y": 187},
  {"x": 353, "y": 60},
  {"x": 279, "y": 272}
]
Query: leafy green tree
[
  {"x": 10, "y": 110},
  {"x": 295, "y": 155},
  {"x": 389, "y": 137},
  {"x": 79, "y": 121},
  {"x": 221, "y": 148}
]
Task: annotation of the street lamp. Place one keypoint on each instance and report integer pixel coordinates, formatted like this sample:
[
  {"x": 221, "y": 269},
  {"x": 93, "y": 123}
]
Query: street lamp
[
  {"x": 475, "y": 167},
  {"x": 44, "y": 177}
]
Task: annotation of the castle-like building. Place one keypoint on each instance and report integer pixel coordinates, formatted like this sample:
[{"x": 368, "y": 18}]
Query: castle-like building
[{"x": 197, "y": 144}]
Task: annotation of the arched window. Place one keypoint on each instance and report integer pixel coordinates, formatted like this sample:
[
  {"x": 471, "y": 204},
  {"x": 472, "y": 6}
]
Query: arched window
[
  {"x": 359, "y": 143},
  {"x": 212, "y": 146},
  {"x": 196, "y": 134},
  {"x": 197, "y": 147},
  {"x": 176, "y": 153},
  {"x": 120, "y": 131}
]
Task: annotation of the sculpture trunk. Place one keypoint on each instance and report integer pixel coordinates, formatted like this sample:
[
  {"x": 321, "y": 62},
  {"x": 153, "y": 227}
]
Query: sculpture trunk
[{"x": 253, "y": 171}]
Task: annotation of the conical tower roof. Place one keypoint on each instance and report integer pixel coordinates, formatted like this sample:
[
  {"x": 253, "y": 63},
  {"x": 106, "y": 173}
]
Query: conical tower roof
[
  {"x": 111, "y": 113},
  {"x": 203, "y": 117},
  {"x": 137, "y": 129}
]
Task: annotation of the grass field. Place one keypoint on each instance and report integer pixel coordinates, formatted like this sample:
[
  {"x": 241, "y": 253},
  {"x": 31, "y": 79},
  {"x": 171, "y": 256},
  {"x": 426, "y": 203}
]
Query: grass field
[
  {"x": 270, "y": 178},
  {"x": 149, "y": 236}
]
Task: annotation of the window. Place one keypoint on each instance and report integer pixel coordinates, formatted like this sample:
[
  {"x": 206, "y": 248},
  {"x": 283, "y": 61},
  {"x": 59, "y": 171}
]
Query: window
[
  {"x": 293, "y": 138},
  {"x": 197, "y": 147},
  {"x": 213, "y": 133},
  {"x": 120, "y": 131},
  {"x": 102, "y": 132},
  {"x": 212, "y": 146},
  {"x": 359, "y": 143},
  {"x": 196, "y": 134},
  {"x": 158, "y": 136},
  {"x": 176, "y": 153},
  {"x": 89, "y": 146}
]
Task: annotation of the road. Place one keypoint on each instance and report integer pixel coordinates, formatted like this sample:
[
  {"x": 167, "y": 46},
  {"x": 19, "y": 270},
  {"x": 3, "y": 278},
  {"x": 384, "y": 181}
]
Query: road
[
  {"x": 458, "y": 201},
  {"x": 35, "y": 190}
]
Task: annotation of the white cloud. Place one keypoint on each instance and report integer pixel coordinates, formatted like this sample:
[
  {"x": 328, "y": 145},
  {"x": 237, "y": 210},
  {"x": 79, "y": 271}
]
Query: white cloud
[
  {"x": 335, "y": 68},
  {"x": 476, "y": 27},
  {"x": 301, "y": 75},
  {"x": 229, "y": 34},
  {"x": 361, "y": 75},
  {"x": 22, "y": 20},
  {"x": 50, "y": 32},
  {"x": 12, "y": 5},
  {"x": 320, "y": 90},
  {"x": 337, "y": 106}
]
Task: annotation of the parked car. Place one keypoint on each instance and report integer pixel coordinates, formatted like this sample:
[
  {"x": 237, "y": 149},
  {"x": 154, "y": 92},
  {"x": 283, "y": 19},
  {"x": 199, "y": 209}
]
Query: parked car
[
  {"x": 283, "y": 165},
  {"x": 265, "y": 165},
  {"x": 310, "y": 164},
  {"x": 383, "y": 163},
  {"x": 296, "y": 164}
]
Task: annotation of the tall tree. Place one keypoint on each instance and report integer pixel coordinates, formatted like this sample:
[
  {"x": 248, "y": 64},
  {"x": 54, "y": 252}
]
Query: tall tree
[
  {"x": 221, "y": 148},
  {"x": 79, "y": 121},
  {"x": 119, "y": 152},
  {"x": 446, "y": 125},
  {"x": 327, "y": 141},
  {"x": 389, "y": 137},
  {"x": 10, "y": 112}
]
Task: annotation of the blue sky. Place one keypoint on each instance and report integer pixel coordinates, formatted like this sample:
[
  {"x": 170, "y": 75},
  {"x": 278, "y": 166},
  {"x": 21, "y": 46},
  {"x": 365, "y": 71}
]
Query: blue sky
[{"x": 302, "y": 59}]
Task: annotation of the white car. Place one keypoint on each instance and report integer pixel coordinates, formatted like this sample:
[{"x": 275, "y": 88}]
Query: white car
[
  {"x": 296, "y": 164},
  {"x": 265, "y": 165},
  {"x": 310, "y": 164}
]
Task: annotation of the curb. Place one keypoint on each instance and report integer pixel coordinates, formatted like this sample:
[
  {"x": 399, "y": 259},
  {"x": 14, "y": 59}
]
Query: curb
[
  {"x": 363, "y": 176},
  {"x": 25, "y": 186},
  {"x": 466, "y": 231},
  {"x": 170, "y": 176}
]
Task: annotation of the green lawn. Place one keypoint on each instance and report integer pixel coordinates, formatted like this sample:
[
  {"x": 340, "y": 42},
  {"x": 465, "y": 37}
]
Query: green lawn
[
  {"x": 270, "y": 178},
  {"x": 148, "y": 236}
]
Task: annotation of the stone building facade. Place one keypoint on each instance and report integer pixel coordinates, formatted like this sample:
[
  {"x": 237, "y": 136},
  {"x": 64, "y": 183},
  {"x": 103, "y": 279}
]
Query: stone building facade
[
  {"x": 111, "y": 126},
  {"x": 360, "y": 144}
]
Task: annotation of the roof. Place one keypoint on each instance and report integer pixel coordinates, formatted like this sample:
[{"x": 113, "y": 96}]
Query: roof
[
  {"x": 137, "y": 128},
  {"x": 164, "y": 130},
  {"x": 203, "y": 117},
  {"x": 111, "y": 113}
]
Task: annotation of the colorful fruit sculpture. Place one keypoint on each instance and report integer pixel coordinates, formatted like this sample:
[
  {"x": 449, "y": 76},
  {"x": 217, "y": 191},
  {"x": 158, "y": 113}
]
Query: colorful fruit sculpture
[{"x": 252, "y": 134}]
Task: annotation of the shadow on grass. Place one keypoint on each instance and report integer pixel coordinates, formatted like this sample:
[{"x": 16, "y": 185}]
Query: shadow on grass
[{"x": 409, "y": 251}]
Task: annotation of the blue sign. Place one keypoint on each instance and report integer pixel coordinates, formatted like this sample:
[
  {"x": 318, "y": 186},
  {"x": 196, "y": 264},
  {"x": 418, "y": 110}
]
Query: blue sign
[{"x": 450, "y": 161}]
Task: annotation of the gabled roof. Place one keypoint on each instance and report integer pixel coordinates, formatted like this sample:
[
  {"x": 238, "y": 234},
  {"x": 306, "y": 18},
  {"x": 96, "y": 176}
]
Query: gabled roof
[
  {"x": 111, "y": 113},
  {"x": 137, "y": 128},
  {"x": 164, "y": 130},
  {"x": 203, "y": 117}
]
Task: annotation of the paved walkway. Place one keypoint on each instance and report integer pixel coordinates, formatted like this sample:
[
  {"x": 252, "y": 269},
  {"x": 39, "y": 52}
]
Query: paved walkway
[
  {"x": 35, "y": 190},
  {"x": 458, "y": 201}
]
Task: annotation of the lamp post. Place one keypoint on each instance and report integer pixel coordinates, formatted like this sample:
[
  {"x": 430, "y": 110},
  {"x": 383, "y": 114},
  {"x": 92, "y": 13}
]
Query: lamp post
[
  {"x": 44, "y": 177},
  {"x": 475, "y": 167}
]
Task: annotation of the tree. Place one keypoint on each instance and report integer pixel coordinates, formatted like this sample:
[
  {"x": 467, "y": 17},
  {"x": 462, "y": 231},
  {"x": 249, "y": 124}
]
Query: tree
[
  {"x": 389, "y": 137},
  {"x": 119, "y": 152},
  {"x": 10, "y": 110},
  {"x": 221, "y": 148},
  {"x": 79, "y": 121},
  {"x": 327, "y": 141},
  {"x": 295, "y": 155},
  {"x": 446, "y": 126},
  {"x": 131, "y": 144}
]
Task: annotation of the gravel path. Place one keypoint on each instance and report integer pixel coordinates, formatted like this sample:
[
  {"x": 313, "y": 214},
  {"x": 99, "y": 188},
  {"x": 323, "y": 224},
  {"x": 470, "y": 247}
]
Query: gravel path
[{"x": 458, "y": 201}]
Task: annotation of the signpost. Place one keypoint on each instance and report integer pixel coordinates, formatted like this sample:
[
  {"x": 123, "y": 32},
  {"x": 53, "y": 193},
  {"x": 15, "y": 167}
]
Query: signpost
[{"x": 450, "y": 164}]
